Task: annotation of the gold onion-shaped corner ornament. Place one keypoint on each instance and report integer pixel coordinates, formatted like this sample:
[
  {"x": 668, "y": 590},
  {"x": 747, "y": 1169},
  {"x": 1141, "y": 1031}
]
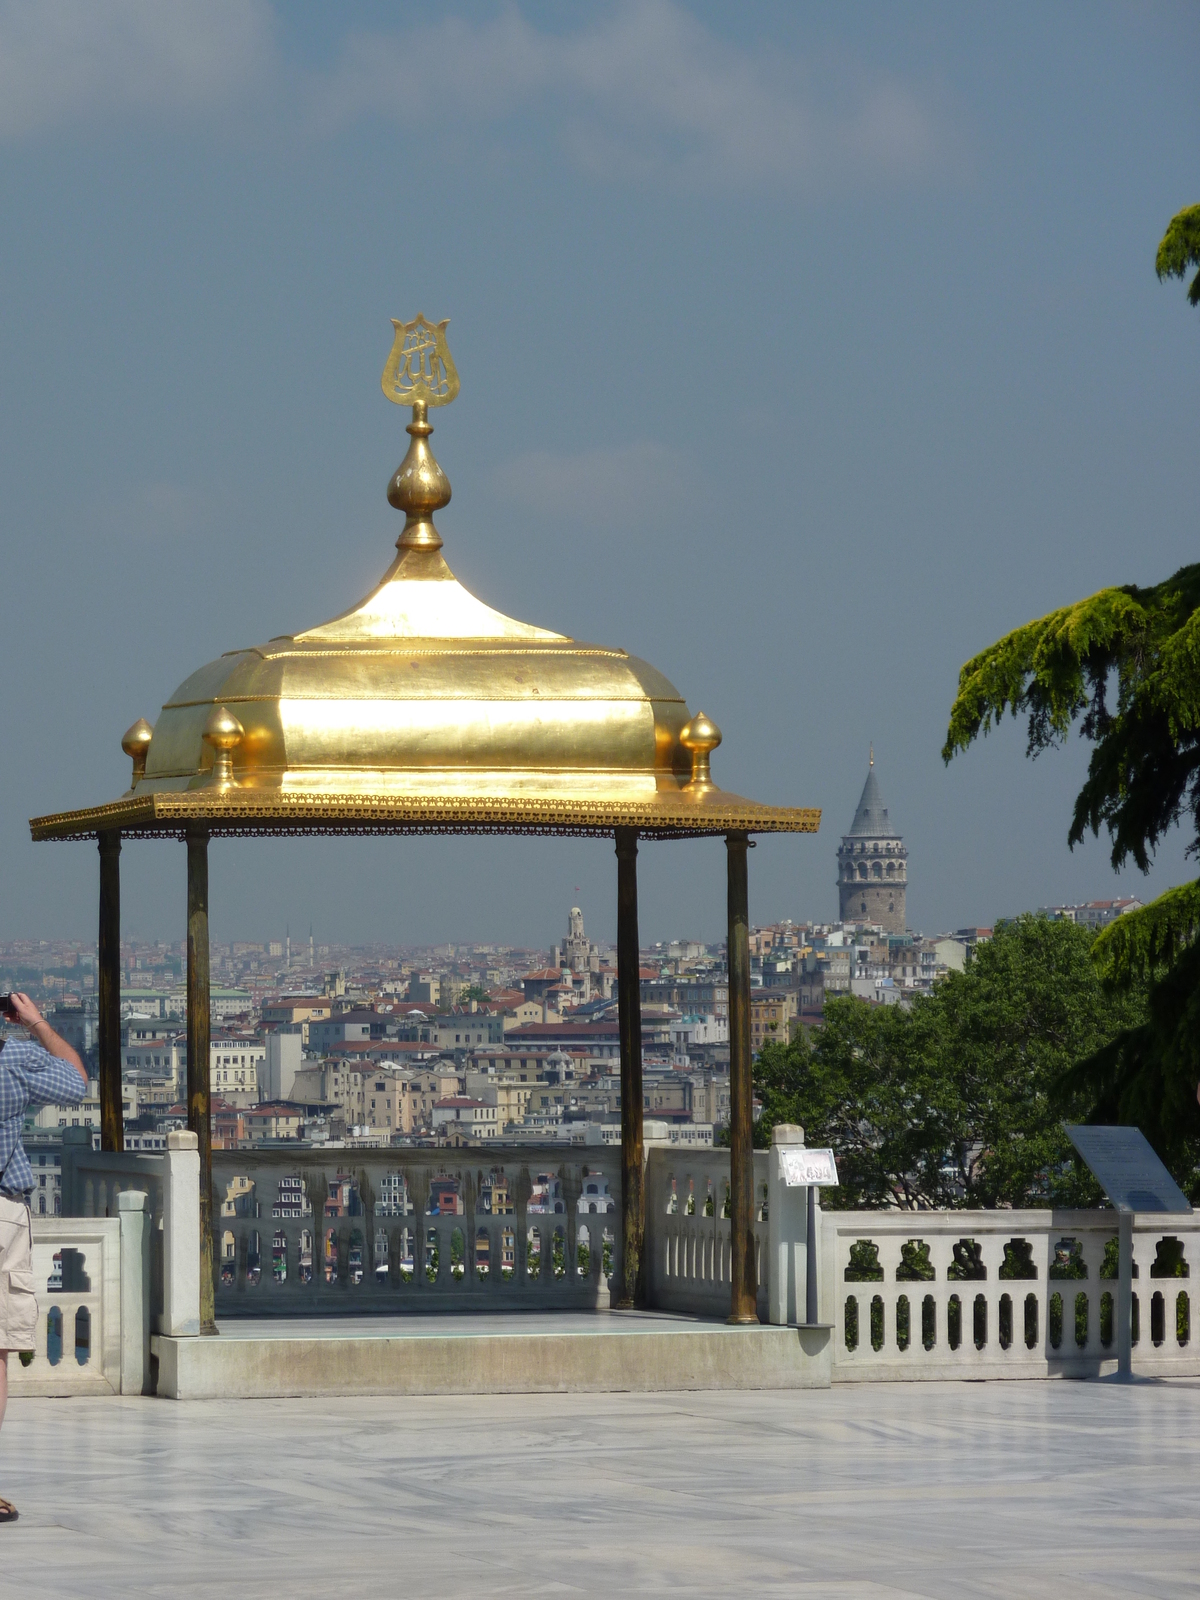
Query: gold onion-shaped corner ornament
[
  {"x": 136, "y": 744},
  {"x": 224, "y": 733},
  {"x": 419, "y": 372},
  {"x": 700, "y": 737}
]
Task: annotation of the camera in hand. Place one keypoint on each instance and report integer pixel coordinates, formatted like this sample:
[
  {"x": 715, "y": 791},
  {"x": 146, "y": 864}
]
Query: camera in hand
[{"x": 7, "y": 1010}]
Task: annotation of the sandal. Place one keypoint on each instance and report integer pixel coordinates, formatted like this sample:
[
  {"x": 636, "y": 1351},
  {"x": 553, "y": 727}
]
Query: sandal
[{"x": 8, "y": 1512}]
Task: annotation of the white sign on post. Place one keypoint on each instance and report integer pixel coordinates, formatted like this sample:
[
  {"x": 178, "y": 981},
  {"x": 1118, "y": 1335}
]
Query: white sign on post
[{"x": 800, "y": 1166}]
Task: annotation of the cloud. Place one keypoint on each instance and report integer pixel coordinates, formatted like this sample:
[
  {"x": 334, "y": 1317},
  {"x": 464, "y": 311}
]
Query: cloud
[
  {"x": 601, "y": 488},
  {"x": 649, "y": 90},
  {"x": 62, "y": 61}
]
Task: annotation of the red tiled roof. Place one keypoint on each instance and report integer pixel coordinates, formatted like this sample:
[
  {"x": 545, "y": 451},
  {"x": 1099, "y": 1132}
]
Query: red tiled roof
[
  {"x": 572, "y": 1030},
  {"x": 380, "y": 1047}
]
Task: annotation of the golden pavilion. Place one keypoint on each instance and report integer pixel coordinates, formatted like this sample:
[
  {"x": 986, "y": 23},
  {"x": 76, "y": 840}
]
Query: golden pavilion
[{"x": 423, "y": 710}]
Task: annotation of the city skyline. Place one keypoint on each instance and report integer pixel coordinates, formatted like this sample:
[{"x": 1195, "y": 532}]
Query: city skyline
[{"x": 1125, "y": 885}]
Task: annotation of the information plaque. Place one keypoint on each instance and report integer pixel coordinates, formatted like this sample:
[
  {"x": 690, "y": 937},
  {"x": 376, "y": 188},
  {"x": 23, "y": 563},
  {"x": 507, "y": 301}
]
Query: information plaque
[
  {"x": 800, "y": 1165},
  {"x": 1127, "y": 1169}
]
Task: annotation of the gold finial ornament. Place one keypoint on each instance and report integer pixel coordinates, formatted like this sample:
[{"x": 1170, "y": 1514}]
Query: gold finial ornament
[
  {"x": 700, "y": 737},
  {"x": 419, "y": 487},
  {"x": 136, "y": 745},
  {"x": 420, "y": 370},
  {"x": 224, "y": 733}
]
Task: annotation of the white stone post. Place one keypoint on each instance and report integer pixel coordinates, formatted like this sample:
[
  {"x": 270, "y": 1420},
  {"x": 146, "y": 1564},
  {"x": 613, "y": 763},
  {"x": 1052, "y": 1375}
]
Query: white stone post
[
  {"x": 787, "y": 1234},
  {"x": 181, "y": 1235},
  {"x": 135, "y": 1291}
]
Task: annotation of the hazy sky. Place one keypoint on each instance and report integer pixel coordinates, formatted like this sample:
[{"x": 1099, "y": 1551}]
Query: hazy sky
[{"x": 804, "y": 351}]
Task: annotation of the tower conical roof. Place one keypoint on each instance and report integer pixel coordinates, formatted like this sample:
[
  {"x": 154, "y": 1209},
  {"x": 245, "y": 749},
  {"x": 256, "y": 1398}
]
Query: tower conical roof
[{"x": 871, "y": 819}]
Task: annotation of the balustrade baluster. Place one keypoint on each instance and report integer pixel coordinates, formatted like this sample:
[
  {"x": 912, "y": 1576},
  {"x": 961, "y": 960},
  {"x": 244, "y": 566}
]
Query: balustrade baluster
[
  {"x": 890, "y": 1291},
  {"x": 941, "y": 1254},
  {"x": 1093, "y": 1243},
  {"x": 1145, "y": 1249},
  {"x": 993, "y": 1288}
]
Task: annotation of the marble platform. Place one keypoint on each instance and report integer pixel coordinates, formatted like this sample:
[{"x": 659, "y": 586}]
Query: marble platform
[
  {"x": 948, "y": 1491},
  {"x": 550, "y": 1352}
]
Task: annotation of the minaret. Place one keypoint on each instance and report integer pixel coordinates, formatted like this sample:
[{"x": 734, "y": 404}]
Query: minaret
[
  {"x": 873, "y": 863},
  {"x": 312, "y": 960},
  {"x": 287, "y": 960}
]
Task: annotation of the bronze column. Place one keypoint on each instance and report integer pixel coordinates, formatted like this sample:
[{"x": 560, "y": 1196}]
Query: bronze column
[
  {"x": 108, "y": 986},
  {"x": 743, "y": 1298},
  {"x": 632, "y": 1288},
  {"x": 197, "y": 1060}
]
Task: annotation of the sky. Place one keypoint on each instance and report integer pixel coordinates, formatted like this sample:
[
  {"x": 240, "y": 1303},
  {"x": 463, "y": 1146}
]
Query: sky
[{"x": 805, "y": 350}]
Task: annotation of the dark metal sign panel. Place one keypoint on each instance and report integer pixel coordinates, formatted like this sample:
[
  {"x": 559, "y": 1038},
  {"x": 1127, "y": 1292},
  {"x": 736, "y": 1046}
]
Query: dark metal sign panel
[{"x": 1127, "y": 1169}]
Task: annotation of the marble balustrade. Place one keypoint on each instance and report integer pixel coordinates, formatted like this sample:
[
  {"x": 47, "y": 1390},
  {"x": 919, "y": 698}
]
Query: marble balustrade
[
  {"x": 996, "y": 1294},
  {"x": 347, "y": 1231}
]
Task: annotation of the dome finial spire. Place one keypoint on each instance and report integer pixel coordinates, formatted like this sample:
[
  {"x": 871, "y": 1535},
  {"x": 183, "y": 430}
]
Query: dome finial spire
[
  {"x": 419, "y": 372},
  {"x": 871, "y": 762}
]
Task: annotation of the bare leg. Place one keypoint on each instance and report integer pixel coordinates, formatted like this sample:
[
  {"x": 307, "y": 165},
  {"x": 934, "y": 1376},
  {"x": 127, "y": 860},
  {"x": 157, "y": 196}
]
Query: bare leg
[{"x": 3, "y": 1382}]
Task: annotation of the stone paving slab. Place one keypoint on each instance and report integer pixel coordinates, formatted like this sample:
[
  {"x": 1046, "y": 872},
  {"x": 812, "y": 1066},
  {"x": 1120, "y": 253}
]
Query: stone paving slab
[{"x": 940, "y": 1491}]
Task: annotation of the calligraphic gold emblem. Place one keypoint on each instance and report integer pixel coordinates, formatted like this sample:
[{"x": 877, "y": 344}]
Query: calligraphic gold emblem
[{"x": 420, "y": 369}]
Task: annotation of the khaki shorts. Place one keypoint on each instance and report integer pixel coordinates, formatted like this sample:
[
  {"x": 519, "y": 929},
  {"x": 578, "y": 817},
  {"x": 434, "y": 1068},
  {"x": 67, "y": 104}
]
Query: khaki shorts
[{"x": 18, "y": 1301}]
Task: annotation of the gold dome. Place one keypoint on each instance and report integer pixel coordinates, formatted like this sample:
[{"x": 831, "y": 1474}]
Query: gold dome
[{"x": 421, "y": 707}]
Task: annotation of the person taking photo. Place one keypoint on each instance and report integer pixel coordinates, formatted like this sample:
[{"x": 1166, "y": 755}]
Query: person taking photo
[{"x": 36, "y": 1070}]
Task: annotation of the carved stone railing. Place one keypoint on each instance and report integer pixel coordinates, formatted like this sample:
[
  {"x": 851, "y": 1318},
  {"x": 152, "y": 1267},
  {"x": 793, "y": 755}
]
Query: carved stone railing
[
  {"x": 917, "y": 1294},
  {"x": 354, "y": 1231},
  {"x": 688, "y": 1240},
  {"x": 93, "y": 1183},
  {"x": 999, "y": 1294},
  {"x": 91, "y": 1276}
]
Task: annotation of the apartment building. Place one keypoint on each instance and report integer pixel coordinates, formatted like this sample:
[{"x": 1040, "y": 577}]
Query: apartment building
[
  {"x": 84, "y": 1113},
  {"x": 156, "y": 1062},
  {"x": 233, "y": 1066},
  {"x": 391, "y": 1099},
  {"x": 460, "y": 1120},
  {"x": 774, "y": 1014},
  {"x": 277, "y": 1120}
]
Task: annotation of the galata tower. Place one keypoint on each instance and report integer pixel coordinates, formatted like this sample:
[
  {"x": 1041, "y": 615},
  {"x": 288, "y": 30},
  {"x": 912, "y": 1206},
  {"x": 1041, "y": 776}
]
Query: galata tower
[{"x": 873, "y": 864}]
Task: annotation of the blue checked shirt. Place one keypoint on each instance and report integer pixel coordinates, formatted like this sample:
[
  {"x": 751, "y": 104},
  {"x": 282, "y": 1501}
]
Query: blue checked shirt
[{"x": 29, "y": 1076}]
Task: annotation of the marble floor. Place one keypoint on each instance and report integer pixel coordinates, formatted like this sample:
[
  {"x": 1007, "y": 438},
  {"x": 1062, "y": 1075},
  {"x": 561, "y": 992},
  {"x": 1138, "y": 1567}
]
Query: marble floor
[{"x": 943, "y": 1490}]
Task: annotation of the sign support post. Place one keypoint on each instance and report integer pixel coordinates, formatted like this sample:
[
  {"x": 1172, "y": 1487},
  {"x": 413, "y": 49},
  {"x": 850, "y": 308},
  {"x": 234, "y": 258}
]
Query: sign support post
[{"x": 794, "y": 1176}]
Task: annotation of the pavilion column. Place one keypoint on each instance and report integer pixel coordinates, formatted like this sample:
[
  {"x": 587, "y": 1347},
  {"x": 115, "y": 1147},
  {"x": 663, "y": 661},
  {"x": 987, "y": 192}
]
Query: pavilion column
[
  {"x": 632, "y": 1289},
  {"x": 197, "y": 1059},
  {"x": 108, "y": 985},
  {"x": 743, "y": 1299}
]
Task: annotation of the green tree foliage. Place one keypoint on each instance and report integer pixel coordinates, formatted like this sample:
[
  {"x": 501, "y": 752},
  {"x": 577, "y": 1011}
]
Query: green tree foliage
[
  {"x": 1125, "y": 664},
  {"x": 1180, "y": 250},
  {"x": 955, "y": 1102}
]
